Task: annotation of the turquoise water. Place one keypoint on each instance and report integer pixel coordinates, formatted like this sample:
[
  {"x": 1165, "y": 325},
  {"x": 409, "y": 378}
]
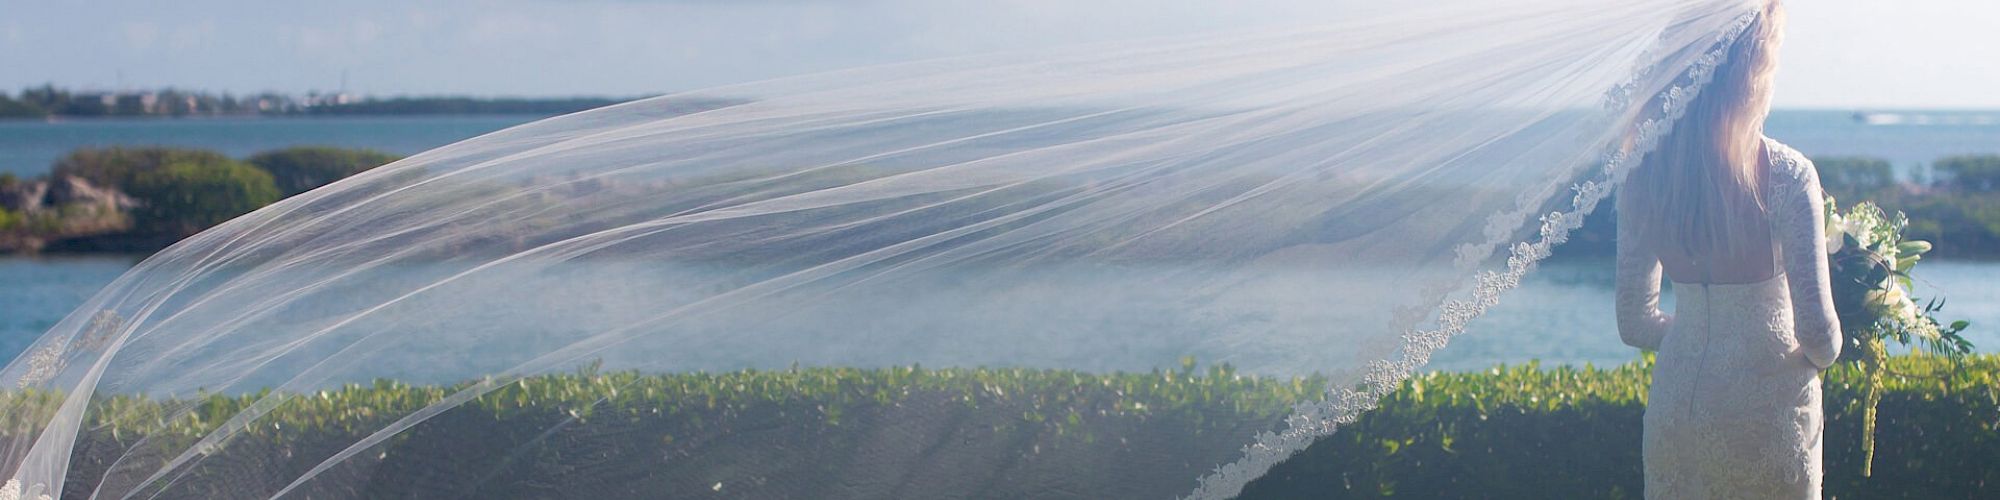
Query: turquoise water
[
  {"x": 35, "y": 293},
  {"x": 27, "y": 148},
  {"x": 1922, "y": 136},
  {"x": 1561, "y": 314}
]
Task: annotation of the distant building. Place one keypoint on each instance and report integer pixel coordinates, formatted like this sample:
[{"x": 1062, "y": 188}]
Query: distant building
[{"x": 316, "y": 99}]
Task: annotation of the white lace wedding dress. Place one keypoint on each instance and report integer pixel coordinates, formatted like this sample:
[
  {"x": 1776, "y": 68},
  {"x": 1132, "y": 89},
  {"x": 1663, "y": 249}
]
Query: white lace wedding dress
[{"x": 1734, "y": 408}]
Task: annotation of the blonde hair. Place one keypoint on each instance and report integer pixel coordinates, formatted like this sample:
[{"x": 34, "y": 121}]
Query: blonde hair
[{"x": 1706, "y": 173}]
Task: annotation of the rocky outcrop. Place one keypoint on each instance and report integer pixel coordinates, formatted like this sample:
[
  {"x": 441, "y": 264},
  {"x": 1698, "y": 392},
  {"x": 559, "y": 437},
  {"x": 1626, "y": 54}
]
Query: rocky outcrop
[
  {"x": 47, "y": 195},
  {"x": 44, "y": 211},
  {"x": 67, "y": 191},
  {"x": 20, "y": 197}
]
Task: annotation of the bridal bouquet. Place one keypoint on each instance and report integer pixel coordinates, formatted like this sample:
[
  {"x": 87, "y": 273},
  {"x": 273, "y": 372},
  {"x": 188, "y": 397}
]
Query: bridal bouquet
[{"x": 1870, "y": 264}]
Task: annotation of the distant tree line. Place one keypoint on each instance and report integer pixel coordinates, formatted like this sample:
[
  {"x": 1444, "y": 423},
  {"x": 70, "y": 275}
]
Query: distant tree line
[
  {"x": 51, "y": 101},
  {"x": 463, "y": 106},
  {"x": 1953, "y": 202}
]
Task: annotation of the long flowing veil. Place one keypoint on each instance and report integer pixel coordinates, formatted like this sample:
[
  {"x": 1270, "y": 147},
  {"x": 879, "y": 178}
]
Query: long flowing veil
[{"x": 1138, "y": 269}]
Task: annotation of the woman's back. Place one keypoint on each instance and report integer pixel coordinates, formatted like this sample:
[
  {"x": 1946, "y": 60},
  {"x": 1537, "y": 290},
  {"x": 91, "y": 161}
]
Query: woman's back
[
  {"x": 1750, "y": 257},
  {"x": 1787, "y": 240}
]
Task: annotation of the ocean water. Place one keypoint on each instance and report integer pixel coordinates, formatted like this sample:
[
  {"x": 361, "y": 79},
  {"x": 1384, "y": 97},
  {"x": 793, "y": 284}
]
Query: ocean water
[
  {"x": 27, "y": 148},
  {"x": 37, "y": 292},
  {"x": 1561, "y": 314},
  {"x": 1905, "y": 138}
]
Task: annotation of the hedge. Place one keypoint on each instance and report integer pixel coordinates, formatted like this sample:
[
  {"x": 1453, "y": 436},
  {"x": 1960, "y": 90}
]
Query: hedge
[
  {"x": 845, "y": 432},
  {"x": 1565, "y": 432},
  {"x": 1510, "y": 432}
]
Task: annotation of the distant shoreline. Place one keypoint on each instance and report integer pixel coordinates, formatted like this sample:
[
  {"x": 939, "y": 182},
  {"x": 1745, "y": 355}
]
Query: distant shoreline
[
  {"x": 249, "y": 117},
  {"x": 49, "y": 102}
]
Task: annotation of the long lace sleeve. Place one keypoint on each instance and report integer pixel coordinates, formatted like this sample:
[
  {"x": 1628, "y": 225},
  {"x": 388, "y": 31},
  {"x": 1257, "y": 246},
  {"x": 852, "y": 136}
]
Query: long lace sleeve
[
  {"x": 1798, "y": 221},
  {"x": 1641, "y": 324}
]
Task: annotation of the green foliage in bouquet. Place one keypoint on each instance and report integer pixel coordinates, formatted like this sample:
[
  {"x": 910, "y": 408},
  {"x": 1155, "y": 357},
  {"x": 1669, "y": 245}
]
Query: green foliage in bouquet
[{"x": 1870, "y": 262}]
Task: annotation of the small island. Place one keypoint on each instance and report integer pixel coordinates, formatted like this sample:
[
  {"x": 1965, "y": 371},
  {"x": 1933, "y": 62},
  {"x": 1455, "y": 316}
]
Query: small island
[{"x": 141, "y": 199}]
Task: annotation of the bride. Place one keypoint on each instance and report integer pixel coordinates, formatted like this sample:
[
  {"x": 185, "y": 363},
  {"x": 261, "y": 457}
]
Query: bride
[{"x": 1735, "y": 220}]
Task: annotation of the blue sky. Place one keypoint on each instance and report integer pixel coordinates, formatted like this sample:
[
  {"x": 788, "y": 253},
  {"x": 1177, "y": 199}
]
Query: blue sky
[{"x": 1840, "y": 54}]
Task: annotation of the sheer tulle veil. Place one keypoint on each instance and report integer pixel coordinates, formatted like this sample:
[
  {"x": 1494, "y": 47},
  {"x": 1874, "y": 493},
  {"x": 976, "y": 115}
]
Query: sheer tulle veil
[{"x": 1332, "y": 202}]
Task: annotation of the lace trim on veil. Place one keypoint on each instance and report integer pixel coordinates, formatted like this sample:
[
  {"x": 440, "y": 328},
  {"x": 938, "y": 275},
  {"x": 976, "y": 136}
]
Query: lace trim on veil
[{"x": 1311, "y": 421}]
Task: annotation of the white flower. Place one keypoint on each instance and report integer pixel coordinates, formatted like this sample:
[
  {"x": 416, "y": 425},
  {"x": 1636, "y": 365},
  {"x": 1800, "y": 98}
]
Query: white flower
[
  {"x": 1887, "y": 301},
  {"x": 1906, "y": 311},
  {"x": 1857, "y": 227},
  {"x": 1926, "y": 329}
]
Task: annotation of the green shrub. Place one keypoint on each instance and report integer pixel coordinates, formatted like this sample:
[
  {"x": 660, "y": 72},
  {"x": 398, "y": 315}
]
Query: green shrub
[
  {"x": 184, "y": 198},
  {"x": 1960, "y": 224},
  {"x": 300, "y": 169},
  {"x": 1509, "y": 432},
  {"x": 1970, "y": 174},
  {"x": 1526, "y": 432},
  {"x": 648, "y": 434},
  {"x": 8, "y": 219},
  {"x": 120, "y": 167},
  {"x": 11, "y": 108},
  {"x": 1853, "y": 179}
]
